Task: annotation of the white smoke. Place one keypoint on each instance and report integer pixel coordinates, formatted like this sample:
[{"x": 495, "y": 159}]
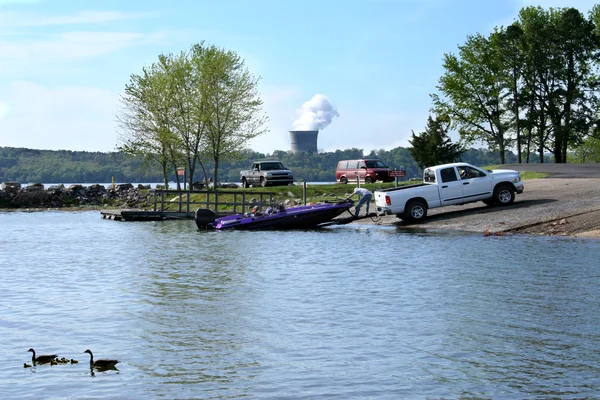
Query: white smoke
[{"x": 316, "y": 114}]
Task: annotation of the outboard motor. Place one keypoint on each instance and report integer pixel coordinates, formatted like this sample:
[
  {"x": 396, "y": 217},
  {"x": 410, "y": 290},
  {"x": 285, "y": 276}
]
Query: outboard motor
[{"x": 205, "y": 219}]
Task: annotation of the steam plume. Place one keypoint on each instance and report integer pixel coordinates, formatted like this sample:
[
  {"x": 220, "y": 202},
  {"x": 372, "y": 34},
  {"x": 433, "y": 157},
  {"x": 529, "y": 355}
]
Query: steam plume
[{"x": 316, "y": 114}]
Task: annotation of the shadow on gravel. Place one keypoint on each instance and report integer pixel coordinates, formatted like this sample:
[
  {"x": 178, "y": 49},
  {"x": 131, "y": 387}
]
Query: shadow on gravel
[{"x": 481, "y": 210}]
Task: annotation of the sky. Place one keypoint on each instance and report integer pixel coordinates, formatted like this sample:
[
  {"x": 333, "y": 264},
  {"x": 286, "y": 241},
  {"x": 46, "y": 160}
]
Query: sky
[{"x": 362, "y": 70}]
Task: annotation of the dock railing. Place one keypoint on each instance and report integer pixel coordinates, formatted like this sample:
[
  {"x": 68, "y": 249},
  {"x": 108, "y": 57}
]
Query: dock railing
[{"x": 216, "y": 201}]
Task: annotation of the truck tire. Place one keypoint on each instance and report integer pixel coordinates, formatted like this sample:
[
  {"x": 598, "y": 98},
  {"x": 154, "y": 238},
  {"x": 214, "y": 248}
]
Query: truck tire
[
  {"x": 415, "y": 210},
  {"x": 504, "y": 195},
  {"x": 343, "y": 180},
  {"x": 368, "y": 179},
  {"x": 263, "y": 182},
  {"x": 245, "y": 183}
]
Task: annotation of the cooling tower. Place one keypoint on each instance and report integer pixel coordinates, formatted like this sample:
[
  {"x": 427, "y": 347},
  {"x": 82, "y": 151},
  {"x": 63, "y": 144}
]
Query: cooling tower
[{"x": 303, "y": 141}]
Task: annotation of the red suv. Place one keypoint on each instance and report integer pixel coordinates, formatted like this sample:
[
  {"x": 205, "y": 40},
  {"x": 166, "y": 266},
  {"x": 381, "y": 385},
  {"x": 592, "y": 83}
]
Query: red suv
[{"x": 367, "y": 170}]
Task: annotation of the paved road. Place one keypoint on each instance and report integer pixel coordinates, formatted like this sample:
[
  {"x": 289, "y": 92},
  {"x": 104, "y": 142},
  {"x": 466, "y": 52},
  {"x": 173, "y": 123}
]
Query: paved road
[
  {"x": 559, "y": 170},
  {"x": 569, "y": 189}
]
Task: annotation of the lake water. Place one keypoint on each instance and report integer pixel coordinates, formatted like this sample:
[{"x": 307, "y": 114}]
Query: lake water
[{"x": 347, "y": 312}]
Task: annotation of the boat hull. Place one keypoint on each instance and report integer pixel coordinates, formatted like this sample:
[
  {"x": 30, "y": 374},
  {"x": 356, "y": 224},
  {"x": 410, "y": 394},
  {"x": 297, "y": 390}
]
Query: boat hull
[{"x": 301, "y": 217}]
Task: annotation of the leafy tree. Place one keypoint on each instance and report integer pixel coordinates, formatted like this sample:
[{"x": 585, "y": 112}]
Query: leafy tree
[
  {"x": 588, "y": 150},
  {"x": 144, "y": 117},
  {"x": 433, "y": 146},
  {"x": 509, "y": 44},
  {"x": 231, "y": 106},
  {"x": 560, "y": 51},
  {"x": 201, "y": 103},
  {"x": 472, "y": 94}
]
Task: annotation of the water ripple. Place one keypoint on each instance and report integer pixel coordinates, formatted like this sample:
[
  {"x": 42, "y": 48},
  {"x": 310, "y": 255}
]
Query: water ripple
[{"x": 341, "y": 313}]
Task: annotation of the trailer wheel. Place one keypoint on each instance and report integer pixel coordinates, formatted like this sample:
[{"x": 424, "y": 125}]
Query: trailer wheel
[
  {"x": 415, "y": 210},
  {"x": 504, "y": 195}
]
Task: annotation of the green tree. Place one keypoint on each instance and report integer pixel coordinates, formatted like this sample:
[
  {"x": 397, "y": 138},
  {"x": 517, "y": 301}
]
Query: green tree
[
  {"x": 183, "y": 108},
  {"x": 144, "y": 117},
  {"x": 509, "y": 47},
  {"x": 433, "y": 146},
  {"x": 230, "y": 103},
  {"x": 472, "y": 94}
]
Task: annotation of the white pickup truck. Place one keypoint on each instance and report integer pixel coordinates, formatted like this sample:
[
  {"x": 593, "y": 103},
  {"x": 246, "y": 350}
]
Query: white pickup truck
[{"x": 449, "y": 184}]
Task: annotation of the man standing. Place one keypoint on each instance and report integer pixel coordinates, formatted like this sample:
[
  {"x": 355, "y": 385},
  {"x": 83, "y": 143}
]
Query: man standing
[{"x": 364, "y": 198}]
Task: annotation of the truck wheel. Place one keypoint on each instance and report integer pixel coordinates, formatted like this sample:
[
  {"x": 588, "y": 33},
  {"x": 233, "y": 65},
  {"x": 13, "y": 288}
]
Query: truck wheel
[
  {"x": 245, "y": 183},
  {"x": 416, "y": 210},
  {"x": 368, "y": 179},
  {"x": 343, "y": 180},
  {"x": 263, "y": 182},
  {"x": 504, "y": 195}
]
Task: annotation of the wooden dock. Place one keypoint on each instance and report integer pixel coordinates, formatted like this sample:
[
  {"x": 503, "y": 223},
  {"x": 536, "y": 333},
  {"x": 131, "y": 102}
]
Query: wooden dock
[
  {"x": 180, "y": 204},
  {"x": 136, "y": 215}
]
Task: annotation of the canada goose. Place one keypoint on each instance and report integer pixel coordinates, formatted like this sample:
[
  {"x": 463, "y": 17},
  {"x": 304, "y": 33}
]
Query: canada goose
[
  {"x": 43, "y": 359},
  {"x": 102, "y": 362}
]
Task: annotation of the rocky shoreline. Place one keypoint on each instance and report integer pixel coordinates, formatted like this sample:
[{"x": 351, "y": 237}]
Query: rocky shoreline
[{"x": 13, "y": 196}]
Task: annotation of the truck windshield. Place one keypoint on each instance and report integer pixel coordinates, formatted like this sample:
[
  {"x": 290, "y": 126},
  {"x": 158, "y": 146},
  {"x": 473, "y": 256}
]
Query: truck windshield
[{"x": 271, "y": 166}]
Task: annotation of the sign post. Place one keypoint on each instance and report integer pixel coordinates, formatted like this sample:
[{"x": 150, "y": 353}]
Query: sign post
[
  {"x": 398, "y": 173},
  {"x": 181, "y": 172}
]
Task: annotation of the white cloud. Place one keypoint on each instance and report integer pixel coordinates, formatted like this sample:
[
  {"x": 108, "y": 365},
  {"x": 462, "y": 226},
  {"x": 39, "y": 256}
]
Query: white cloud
[
  {"x": 69, "y": 118},
  {"x": 72, "y": 45},
  {"x": 19, "y": 19},
  {"x": 358, "y": 126}
]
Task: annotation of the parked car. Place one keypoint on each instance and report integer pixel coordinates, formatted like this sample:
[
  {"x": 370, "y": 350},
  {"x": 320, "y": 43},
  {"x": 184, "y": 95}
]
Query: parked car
[
  {"x": 266, "y": 173},
  {"x": 366, "y": 170}
]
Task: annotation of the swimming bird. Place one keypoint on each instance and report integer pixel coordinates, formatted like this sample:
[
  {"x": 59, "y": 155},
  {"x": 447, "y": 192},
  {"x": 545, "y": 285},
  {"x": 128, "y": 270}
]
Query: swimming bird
[
  {"x": 102, "y": 362},
  {"x": 43, "y": 359},
  {"x": 25, "y": 365},
  {"x": 74, "y": 361}
]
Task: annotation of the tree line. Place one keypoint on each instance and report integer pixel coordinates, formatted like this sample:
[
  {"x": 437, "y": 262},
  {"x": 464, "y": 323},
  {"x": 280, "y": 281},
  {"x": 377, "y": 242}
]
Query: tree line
[
  {"x": 62, "y": 166},
  {"x": 531, "y": 86}
]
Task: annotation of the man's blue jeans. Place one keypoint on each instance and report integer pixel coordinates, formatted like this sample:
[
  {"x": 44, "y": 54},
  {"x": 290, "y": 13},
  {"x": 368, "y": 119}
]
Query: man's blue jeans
[{"x": 364, "y": 200}]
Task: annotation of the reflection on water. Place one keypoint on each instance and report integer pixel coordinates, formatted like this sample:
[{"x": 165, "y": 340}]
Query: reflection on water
[{"x": 342, "y": 312}]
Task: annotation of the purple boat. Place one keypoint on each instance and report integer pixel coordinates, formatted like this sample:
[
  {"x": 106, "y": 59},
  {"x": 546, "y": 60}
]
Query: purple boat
[{"x": 300, "y": 217}]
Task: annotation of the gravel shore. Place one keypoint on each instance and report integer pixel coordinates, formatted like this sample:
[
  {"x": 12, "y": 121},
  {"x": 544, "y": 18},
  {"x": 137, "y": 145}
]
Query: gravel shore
[{"x": 565, "y": 204}]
